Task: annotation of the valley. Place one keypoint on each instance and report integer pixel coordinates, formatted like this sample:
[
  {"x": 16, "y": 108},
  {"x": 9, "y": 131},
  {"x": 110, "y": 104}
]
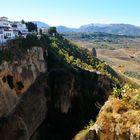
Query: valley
[{"x": 121, "y": 52}]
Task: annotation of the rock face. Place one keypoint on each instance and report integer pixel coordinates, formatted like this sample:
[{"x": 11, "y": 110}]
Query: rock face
[
  {"x": 29, "y": 113},
  {"x": 61, "y": 83},
  {"x": 56, "y": 106},
  {"x": 116, "y": 120},
  {"x": 16, "y": 77}
]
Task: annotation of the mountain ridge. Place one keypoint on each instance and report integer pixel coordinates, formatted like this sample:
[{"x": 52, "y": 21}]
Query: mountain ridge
[
  {"x": 123, "y": 29},
  {"x": 115, "y": 28}
]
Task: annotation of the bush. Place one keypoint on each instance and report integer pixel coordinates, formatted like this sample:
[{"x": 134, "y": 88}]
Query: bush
[
  {"x": 6, "y": 55},
  {"x": 90, "y": 124},
  {"x": 30, "y": 41},
  {"x": 117, "y": 92},
  {"x": 136, "y": 101},
  {"x": 123, "y": 92}
]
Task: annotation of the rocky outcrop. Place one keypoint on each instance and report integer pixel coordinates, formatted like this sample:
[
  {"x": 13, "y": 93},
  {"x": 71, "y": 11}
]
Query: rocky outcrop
[
  {"x": 29, "y": 113},
  {"x": 17, "y": 76},
  {"x": 116, "y": 120}
]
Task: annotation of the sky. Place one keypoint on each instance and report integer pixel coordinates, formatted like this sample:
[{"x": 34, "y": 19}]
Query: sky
[{"x": 72, "y": 13}]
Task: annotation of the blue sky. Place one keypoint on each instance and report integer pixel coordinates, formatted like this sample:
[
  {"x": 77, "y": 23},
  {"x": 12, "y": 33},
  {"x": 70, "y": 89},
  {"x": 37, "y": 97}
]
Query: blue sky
[{"x": 72, "y": 13}]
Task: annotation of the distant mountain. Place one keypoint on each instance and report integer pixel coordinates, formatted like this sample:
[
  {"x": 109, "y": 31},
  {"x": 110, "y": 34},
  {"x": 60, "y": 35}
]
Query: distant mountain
[
  {"x": 41, "y": 24},
  {"x": 124, "y": 29},
  {"x": 62, "y": 29},
  {"x": 111, "y": 28}
]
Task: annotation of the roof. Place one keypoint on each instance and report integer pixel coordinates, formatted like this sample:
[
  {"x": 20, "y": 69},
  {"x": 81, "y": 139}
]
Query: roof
[{"x": 3, "y": 18}]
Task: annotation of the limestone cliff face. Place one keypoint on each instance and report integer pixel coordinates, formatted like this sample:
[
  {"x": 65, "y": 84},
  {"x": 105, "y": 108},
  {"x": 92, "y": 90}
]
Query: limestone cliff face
[
  {"x": 29, "y": 113},
  {"x": 116, "y": 121},
  {"x": 61, "y": 83},
  {"x": 16, "y": 77},
  {"x": 56, "y": 106}
]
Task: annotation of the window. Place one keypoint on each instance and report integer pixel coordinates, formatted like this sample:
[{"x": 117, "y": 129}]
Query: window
[
  {"x": 5, "y": 24},
  {"x": 15, "y": 26},
  {"x": 1, "y": 36}
]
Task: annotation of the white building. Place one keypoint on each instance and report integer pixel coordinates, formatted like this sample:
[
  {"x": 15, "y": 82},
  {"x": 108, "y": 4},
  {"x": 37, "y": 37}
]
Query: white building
[
  {"x": 44, "y": 30},
  {"x": 9, "y": 30},
  {"x": 6, "y": 30},
  {"x": 19, "y": 28}
]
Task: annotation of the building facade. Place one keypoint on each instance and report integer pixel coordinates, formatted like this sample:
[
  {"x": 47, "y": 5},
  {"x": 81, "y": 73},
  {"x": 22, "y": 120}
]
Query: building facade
[
  {"x": 19, "y": 28},
  {"x": 6, "y": 30},
  {"x": 9, "y": 30}
]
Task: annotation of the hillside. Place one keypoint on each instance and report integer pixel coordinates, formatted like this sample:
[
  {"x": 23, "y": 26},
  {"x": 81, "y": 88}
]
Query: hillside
[{"x": 121, "y": 52}]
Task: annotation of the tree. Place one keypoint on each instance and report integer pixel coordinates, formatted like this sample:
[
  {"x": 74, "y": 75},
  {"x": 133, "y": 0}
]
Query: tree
[
  {"x": 22, "y": 21},
  {"x": 30, "y": 41},
  {"x": 52, "y": 31},
  {"x": 94, "y": 52},
  {"x": 40, "y": 31},
  {"x": 31, "y": 27}
]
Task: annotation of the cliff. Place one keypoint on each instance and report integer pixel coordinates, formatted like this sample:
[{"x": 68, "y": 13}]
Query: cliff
[
  {"x": 119, "y": 118},
  {"x": 28, "y": 114},
  {"x": 18, "y": 75}
]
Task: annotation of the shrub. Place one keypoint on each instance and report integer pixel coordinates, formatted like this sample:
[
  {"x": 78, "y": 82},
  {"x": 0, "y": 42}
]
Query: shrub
[
  {"x": 123, "y": 92},
  {"x": 30, "y": 41},
  {"x": 101, "y": 66},
  {"x": 6, "y": 55},
  {"x": 90, "y": 124},
  {"x": 136, "y": 101},
  {"x": 117, "y": 92}
]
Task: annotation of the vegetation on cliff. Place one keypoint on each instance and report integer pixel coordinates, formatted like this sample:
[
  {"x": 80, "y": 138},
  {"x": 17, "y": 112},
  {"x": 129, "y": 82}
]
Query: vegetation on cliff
[{"x": 119, "y": 118}]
